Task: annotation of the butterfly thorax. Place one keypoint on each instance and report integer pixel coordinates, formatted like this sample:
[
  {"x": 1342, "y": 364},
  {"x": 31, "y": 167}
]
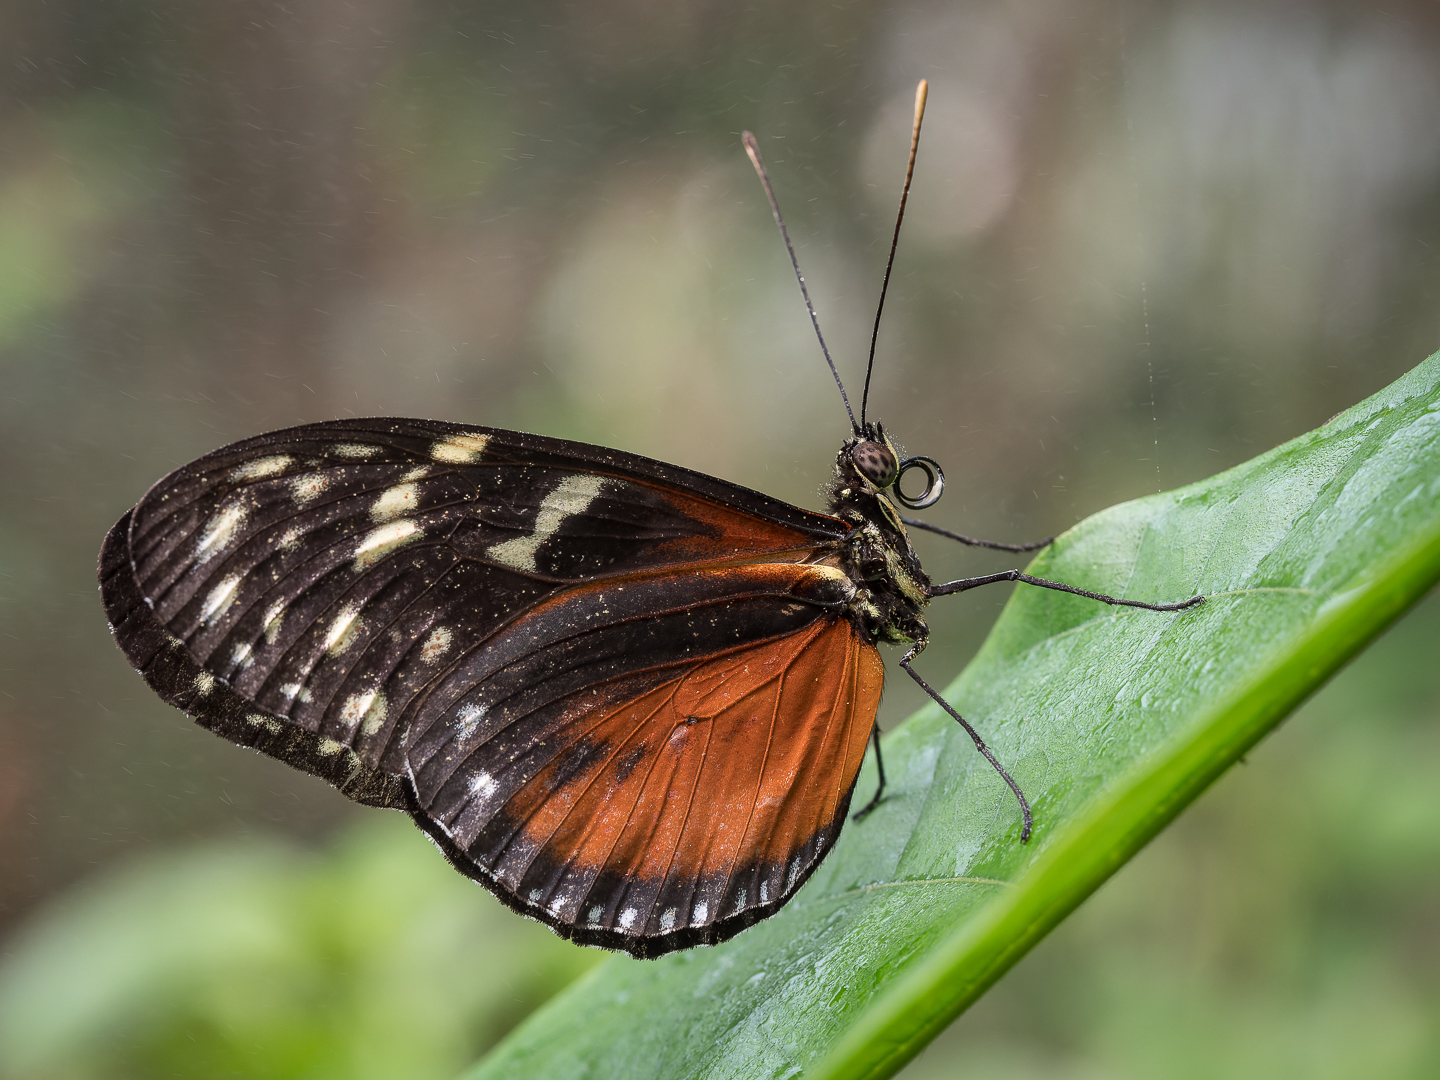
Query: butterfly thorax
[{"x": 876, "y": 554}]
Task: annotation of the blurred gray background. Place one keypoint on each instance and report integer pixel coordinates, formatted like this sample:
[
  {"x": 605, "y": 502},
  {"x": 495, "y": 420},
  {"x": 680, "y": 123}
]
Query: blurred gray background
[{"x": 1146, "y": 241}]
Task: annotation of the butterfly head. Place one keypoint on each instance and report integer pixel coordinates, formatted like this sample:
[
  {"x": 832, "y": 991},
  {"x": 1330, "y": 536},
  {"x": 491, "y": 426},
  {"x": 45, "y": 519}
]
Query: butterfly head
[{"x": 870, "y": 462}]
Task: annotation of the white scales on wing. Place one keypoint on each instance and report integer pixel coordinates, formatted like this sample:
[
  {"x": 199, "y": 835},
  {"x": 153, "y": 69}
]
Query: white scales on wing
[{"x": 572, "y": 496}]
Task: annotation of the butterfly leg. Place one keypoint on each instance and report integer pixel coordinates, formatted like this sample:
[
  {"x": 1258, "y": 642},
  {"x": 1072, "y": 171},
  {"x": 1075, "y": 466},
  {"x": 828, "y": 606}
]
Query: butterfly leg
[
  {"x": 979, "y": 743},
  {"x": 996, "y": 544},
  {"x": 880, "y": 788},
  {"x": 962, "y": 584}
]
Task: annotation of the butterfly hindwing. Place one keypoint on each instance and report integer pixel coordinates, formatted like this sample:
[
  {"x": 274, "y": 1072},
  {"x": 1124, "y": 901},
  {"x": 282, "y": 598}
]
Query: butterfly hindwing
[
  {"x": 361, "y": 598},
  {"x": 685, "y": 805}
]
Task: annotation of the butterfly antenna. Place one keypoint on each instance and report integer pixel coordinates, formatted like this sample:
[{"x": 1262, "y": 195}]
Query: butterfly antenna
[
  {"x": 753, "y": 149},
  {"x": 920, "y": 93}
]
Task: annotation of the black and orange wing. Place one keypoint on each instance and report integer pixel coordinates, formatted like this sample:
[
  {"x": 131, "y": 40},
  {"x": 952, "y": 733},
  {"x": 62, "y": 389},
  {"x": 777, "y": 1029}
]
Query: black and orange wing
[
  {"x": 653, "y": 764},
  {"x": 365, "y": 599}
]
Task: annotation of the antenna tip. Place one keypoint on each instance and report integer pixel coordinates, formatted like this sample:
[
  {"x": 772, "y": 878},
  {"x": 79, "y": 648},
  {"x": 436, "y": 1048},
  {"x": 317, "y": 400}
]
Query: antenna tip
[
  {"x": 752, "y": 150},
  {"x": 921, "y": 92}
]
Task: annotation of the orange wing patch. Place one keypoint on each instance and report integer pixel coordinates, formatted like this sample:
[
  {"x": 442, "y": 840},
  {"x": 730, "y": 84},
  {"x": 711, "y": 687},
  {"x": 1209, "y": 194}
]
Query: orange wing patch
[
  {"x": 732, "y": 533},
  {"x": 701, "y": 805}
]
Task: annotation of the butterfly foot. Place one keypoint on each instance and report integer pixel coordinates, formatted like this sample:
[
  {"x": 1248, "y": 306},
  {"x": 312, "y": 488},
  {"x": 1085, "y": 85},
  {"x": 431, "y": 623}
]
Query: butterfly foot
[{"x": 864, "y": 811}]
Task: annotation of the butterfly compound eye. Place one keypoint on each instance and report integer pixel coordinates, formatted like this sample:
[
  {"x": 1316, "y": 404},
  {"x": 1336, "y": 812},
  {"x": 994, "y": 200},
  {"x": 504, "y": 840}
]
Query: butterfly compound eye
[
  {"x": 934, "y": 483},
  {"x": 876, "y": 463}
]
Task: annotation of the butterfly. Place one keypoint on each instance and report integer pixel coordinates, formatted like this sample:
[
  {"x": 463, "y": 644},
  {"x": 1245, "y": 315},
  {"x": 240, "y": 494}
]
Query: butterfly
[{"x": 630, "y": 699}]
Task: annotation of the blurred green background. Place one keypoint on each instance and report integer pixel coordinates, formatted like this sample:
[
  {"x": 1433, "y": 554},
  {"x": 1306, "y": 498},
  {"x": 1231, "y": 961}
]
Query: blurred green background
[{"x": 1147, "y": 241}]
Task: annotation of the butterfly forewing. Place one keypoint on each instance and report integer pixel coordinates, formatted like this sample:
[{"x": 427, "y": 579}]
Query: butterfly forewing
[
  {"x": 465, "y": 621},
  {"x": 174, "y": 673}
]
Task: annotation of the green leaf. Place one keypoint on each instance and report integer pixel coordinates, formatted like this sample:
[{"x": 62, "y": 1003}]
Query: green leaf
[{"x": 1112, "y": 720}]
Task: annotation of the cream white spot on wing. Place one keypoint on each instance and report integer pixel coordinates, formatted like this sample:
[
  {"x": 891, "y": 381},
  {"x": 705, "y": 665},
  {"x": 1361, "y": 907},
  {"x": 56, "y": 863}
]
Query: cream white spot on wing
[
  {"x": 358, "y": 451},
  {"x": 468, "y": 717},
  {"x": 594, "y": 914},
  {"x": 667, "y": 920},
  {"x": 420, "y": 472},
  {"x": 307, "y": 488},
  {"x": 328, "y": 747},
  {"x": 573, "y": 495},
  {"x": 342, "y": 630},
  {"x": 294, "y": 691},
  {"x": 355, "y": 707},
  {"x": 483, "y": 785},
  {"x": 375, "y": 715},
  {"x": 436, "y": 645},
  {"x": 219, "y": 531},
  {"x": 382, "y": 541},
  {"x": 243, "y": 655},
  {"x": 764, "y": 892},
  {"x": 535, "y": 895},
  {"x": 628, "y": 917},
  {"x": 274, "y": 617},
  {"x": 462, "y": 449},
  {"x": 204, "y": 683},
  {"x": 700, "y": 914},
  {"x": 219, "y": 598},
  {"x": 261, "y": 468},
  {"x": 394, "y": 502},
  {"x": 291, "y": 538},
  {"x": 740, "y": 902}
]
